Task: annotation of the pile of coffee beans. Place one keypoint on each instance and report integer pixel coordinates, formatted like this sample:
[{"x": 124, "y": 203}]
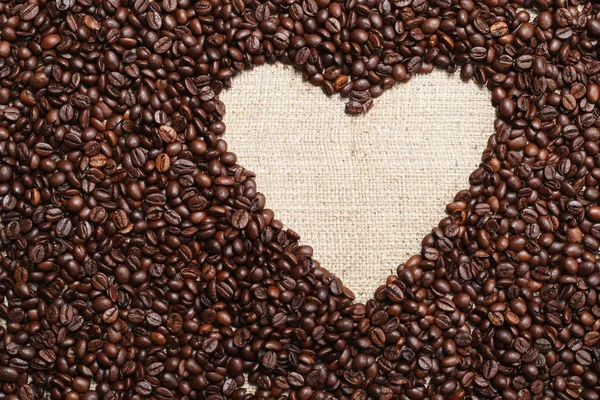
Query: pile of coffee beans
[{"x": 138, "y": 260}]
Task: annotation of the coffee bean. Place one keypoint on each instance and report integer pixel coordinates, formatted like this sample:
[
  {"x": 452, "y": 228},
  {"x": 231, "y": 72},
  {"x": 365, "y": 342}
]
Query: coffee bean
[
  {"x": 167, "y": 134},
  {"x": 163, "y": 162},
  {"x": 91, "y": 22},
  {"x": 51, "y": 41},
  {"x": 153, "y": 319},
  {"x": 143, "y": 388},
  {"x": 29, "y": 12},
  {"x": 182, "y": 167},
  {"x": 209, "y": 345},
  {"x": 583, "y": 357},
  {"x": 425, "y": 363},
  {"x": 126, "y": 223},
  {"x": 11, "y": 114},
  {"x": 26, "y": 393},
  {"x": 163, "y": 45},
  {"x": 240, "y": 219},
  {"x": 557, "y": 369},
  {"x": 8, "y": 374},
  {"x": 463, "y": 339},
  {"x": 37, "y": 253},
  {"x": 269, "y": 360},
  {"x": 496, "y": 318},
  {"x": 154, "y": 20},
  {"x": 569, "y": 102},
  {"x": 446, "y": 305},
  {"x": 591, "y": 338},
  {"x": 490, "y": 369},
  {"x": 120, "y": 219},
  {"x": 295, "y": 379},
  {"x": 136, "y": 316},
  {"x": 64, "y": 228}
]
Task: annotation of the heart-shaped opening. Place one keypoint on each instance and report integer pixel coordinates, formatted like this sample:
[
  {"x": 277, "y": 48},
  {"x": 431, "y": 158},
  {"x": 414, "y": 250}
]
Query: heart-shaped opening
[{"x": 363, "y": 191}]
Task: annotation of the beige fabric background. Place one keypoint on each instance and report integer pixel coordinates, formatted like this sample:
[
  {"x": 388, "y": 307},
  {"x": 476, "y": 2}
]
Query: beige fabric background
[{"x": 363, "y": 191}]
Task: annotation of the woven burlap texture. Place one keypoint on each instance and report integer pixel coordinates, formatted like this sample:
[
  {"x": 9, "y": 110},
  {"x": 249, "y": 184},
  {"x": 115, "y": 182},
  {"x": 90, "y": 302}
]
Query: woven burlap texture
[{"x": 362, "y": 191}]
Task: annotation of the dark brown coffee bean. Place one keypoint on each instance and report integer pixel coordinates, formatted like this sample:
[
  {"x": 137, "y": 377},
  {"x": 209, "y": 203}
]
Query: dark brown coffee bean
[
  {"x": 163, "y": 162},
  {"x": 127, "y": 224},
  {"x": 153, "y": 319},
  {"x": 490, "y": 369},
  {"x": 269, "y": 360},
  {"x": 163, "y": 45},
  {"x": 583, "y": 357},
  {"x": 446, "y": 305},
  {"x": 29, "y": 12},
  {"x": 425, "y": 363},
  {"x": 182, "y": 167},
  {"x": 167, "y": 134},
  {"x": 154, "y": 20},
  {"x": 143, "y": 388},
  {"x": 240, "y": 219},
  {"x": 295, "y": 379},
  {"x": 8, "y": 374},
  {"x": 591, "y": 338},
  {"x": 64, "y": 228},
  {"x": 496, "y": 318}
]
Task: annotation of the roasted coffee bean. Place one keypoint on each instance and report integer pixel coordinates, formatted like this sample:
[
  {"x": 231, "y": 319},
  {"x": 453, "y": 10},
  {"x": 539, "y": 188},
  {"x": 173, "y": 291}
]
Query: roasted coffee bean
[
  {"x": 143, "y": 388},
  {"x": 490, "y": 369},
  {"x": 269, "y": 360},
  {"x": 240, "y": 219},
  {"x": 138, "y": 259},
  {"x": 583, "y": 357},
  {"x": 163, "y": 162},
  {"x": 29, "y": 12},
  {"x": 182, "y": 167},
  {"x": 8, "y": 374},
  {"x": 167, "y": 134}
]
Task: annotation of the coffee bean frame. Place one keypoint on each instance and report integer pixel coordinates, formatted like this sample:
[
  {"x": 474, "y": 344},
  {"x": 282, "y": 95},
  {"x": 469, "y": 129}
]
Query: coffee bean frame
[{"x": 139, "y": 260}]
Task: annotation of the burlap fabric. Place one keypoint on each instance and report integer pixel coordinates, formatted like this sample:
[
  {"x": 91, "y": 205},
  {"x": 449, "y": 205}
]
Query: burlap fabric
[{"x": 363, "y": 191}]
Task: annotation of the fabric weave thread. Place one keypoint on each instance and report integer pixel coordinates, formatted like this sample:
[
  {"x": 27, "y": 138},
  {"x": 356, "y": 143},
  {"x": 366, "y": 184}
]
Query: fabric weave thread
[{"x": 362, "y": 191}]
